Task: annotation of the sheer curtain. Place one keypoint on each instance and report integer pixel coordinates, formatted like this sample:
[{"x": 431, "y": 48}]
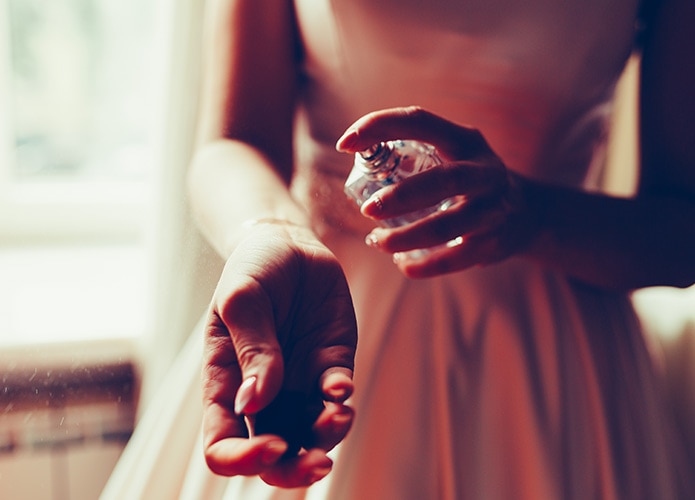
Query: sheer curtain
[
  {"x": 154, "y": 463},
  {"x": 187, "y": 268}
]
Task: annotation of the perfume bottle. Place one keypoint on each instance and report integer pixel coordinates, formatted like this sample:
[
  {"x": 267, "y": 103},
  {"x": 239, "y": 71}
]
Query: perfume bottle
[{"x": 388, "y": 163}]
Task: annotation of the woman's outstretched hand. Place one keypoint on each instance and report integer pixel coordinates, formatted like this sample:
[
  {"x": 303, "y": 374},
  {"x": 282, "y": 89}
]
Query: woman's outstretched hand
[
  {"x": 491, "y": 219},
  {"x": 280, "y": 344}
]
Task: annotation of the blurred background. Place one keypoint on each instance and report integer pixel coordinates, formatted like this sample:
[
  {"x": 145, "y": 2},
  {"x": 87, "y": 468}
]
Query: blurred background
[
  {"x": 100, "y": 269},
  {"x": 102, "y": 275}
]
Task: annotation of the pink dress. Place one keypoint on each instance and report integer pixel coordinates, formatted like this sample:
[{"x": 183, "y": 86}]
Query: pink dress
[{"x": 504, "y": 382}]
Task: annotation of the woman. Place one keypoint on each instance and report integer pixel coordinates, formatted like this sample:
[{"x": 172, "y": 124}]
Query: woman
[{"x": 514, "y": 368}]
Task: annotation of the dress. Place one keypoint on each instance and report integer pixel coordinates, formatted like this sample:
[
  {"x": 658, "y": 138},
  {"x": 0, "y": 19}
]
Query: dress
[{"x": 503, "y": 382}]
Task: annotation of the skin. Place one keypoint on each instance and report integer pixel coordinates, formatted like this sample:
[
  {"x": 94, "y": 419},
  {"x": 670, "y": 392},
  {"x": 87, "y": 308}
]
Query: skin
[
  {"x": 239, "y": 174},
  {"x": 282, "y": 291}
]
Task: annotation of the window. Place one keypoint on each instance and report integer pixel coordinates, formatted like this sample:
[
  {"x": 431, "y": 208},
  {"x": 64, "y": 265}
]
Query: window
[
  {"x": 78, "y": 92},
  {"x": 77, "y": 82}
]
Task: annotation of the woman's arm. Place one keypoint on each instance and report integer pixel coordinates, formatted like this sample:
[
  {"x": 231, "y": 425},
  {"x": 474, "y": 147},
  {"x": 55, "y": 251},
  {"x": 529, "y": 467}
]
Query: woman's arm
[
  {"x": 243, "y": 162},
  {"x": 649, "y": 240},
  {"x": 281, "y": 327}
]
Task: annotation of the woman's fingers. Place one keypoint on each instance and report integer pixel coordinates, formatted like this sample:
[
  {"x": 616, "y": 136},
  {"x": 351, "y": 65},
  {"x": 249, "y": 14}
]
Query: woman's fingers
[
  {"x": 458, "y": 181},
  {"x": 227, "y": 449},
  {"x": 302, "y": 470},
  {"x": 335, "y": 420},
  {"x": 486, "y": 215},
  {"x": 246, "y": 319},
  {"x": 452, "y": 140},
  {"x": 336, "y": 384},
  {"x": 471, "y": 251},
  {"x": 332, "y": 425},
  {"x": 475, "y": 203},
  {"x": 460, "y": 220},
  {"x": 261, "y": 456},
  {"x": 279, "y": 348},
  {"x": 244, "y": 457}
]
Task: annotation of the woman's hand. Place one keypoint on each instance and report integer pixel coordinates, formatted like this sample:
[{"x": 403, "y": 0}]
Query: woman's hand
[
  {"x": 280, "y": 344},
  {"x": 490, "y": 219}
]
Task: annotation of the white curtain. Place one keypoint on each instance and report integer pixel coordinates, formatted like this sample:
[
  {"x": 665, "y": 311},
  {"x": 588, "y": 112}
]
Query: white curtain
[
  {"x": 153, "y": 464},
  {"x": 186, "y": 267}
]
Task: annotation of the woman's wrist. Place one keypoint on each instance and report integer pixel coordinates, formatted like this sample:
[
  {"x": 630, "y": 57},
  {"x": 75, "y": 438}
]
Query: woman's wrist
[
  {"x": 298, "y": 231},
  {"x": 270, "y": 220}
]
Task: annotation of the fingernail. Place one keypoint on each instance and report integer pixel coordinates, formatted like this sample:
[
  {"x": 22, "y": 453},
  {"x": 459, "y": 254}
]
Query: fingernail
[
  {"x": 337, "y": 385},
  {"x": 339, "y": 421},
  {"x": 244, "y": 395},
  {"x": 372, "y": 241},
  {"x": 250, "y": 421},
  {"x": 273, "y": 451},
  {"x": 318, "y": 473},
  {"x": 373, "y": 206},
  {"x": 337, "y": 393},
  {"x": 347, "y": 140}
]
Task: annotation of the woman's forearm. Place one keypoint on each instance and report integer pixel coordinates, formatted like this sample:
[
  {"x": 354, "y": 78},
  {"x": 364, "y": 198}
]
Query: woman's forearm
[
  {"x": 614, "y": 242},
  {"x": 230, "y": 185}
]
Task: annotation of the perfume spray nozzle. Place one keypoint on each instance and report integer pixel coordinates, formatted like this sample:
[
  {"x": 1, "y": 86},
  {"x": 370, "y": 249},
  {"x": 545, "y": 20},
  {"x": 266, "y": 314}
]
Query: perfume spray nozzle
[{"x": 372, "y": 151}]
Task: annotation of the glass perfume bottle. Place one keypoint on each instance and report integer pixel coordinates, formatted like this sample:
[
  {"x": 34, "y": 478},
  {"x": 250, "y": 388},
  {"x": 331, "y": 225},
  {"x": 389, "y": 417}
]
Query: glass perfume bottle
[{"x": 388, "y": 163}]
